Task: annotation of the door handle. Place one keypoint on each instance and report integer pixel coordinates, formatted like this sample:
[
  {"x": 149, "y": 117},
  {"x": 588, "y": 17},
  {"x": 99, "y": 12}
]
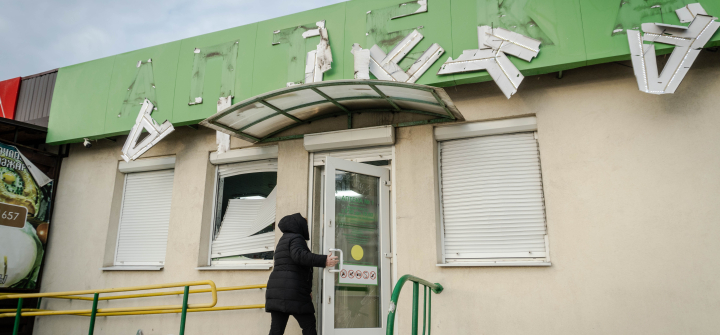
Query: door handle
[{"x": 340, "y": 258}]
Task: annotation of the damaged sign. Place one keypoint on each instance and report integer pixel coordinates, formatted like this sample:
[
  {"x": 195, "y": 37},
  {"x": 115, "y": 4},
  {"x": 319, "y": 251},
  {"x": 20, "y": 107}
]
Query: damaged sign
[
  {"x": 132, "y": 149},
  {"x": 494, "y": 44},
  {"x": 317, "y": 61},
  {"x": 387, "y": 66},
  {"x": 228, "y": 53},
  {"x": 688, "y": 42}
]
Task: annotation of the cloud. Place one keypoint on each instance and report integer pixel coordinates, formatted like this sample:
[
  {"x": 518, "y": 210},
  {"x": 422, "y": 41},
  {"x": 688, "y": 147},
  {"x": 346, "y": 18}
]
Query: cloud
[{"x": 41, "y": 35}]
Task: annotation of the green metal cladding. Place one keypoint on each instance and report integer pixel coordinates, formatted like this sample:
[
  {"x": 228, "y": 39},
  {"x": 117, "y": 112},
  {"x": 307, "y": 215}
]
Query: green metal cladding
[{"x": 95, "y": 99}]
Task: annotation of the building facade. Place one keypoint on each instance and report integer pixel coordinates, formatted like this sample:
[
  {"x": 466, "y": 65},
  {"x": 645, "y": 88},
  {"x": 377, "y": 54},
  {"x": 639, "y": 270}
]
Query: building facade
[{"x": 579, "y": 205}]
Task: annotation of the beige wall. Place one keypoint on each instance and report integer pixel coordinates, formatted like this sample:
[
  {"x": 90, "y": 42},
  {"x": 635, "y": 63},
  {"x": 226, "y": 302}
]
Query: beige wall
[
  {"x": 78, "y": 239},
  {"x": 631, "y": 185}
]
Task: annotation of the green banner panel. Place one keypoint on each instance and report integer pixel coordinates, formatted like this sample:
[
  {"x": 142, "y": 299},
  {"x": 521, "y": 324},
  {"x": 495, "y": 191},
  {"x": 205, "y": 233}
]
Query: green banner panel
[
  {"x": 557, "y": 23},
  {"x": 379, "y": 27},
  {"x": 274, "y": 52},
  {"x": 154, "y": 79},
  {"x": 79, "y": 101},
  {"x": 605, "y": 22},
  {"x": 185, "y": 78},
  {"x": 216, "y": 73}
]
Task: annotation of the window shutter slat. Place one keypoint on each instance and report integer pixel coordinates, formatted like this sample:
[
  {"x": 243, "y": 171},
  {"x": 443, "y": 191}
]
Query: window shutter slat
[
  {"x": 492, "y": 199},
  {"x": 145, "y": 218}
]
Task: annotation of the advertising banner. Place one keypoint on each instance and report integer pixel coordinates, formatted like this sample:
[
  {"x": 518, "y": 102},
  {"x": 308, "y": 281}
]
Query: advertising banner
[{"x": 25, "y": 200}]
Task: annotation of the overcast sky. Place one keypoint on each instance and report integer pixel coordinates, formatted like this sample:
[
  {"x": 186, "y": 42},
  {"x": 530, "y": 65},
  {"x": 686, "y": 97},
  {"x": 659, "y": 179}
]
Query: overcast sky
[{"x": 41, "y": 35}]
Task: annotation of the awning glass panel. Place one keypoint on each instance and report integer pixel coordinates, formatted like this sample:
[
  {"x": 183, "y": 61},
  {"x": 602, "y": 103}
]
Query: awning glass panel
[
  {"x": 407, "y": 93},
  {"x": 412, "y": 105},
  {"x": 262, "y": 117},
  {"x": 295, "y": 98},
  {"x": 305, "y": 113},
  {"x": 265, "y": 127},
  {"x": 346, "y": 91},
  {"x": 369, "y": 104},
  {"x": 244, "y": 116}
]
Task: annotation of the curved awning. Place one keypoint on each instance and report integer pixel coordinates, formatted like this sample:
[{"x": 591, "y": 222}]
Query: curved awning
[{"x": 264, "y": 116}]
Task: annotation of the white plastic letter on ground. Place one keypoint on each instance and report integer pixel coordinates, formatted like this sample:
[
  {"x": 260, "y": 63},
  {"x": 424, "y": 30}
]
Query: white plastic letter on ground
[
  {"x": 132, "y": 150},
  {"x": 491, "y": 56},
  {"x": 688, "y": 42}
]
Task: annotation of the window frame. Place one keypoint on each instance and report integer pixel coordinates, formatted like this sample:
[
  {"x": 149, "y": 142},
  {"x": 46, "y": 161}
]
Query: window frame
[
  {"x": 477, "y": 130},
  {"x": 248, "y": 264}
]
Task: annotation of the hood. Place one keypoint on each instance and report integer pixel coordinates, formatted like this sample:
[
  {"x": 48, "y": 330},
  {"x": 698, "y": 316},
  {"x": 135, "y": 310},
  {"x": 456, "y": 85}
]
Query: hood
[{"x": 294, "y": 224}]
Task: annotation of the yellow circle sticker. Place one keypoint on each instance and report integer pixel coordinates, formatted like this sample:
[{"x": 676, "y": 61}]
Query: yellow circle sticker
[{"x": 357, "y": 252}]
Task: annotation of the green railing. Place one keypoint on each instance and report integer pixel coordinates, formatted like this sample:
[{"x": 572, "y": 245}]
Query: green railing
[
  {"x": 138, "y": 310},
  {"x": 427, "y": 303}
]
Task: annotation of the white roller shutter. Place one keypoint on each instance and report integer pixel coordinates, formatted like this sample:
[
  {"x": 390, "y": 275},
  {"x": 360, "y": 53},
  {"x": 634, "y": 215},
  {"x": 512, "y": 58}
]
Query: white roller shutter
[
  {"x": 355, "y": 155},
  {"x": 144, "y": 218},
  {"x": 492, "y": 198}
]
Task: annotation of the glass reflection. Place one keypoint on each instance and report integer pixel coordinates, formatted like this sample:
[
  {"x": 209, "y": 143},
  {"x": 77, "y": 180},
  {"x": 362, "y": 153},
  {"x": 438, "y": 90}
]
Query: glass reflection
[{"x": 357, "y": 302}]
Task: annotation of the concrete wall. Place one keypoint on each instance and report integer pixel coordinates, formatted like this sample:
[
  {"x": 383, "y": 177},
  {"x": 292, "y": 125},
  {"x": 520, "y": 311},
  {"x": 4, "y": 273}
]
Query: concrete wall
[{"x": 631, "y": 186}]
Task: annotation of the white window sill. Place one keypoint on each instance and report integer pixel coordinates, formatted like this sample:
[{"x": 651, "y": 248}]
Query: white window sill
[
  {"x": 134, "y": 268},
  {"x": 235, "y": 267},
  {"x": 477, "y": 264}
]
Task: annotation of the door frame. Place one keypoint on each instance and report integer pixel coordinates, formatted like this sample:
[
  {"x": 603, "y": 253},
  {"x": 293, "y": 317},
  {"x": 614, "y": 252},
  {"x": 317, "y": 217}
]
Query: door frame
[
  {"x": 393, "y": 210},
  {"x": 333, "y": 164}
]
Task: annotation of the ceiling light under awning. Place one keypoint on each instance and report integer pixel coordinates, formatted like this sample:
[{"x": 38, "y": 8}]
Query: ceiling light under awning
[{"x": 261, "y": 118}]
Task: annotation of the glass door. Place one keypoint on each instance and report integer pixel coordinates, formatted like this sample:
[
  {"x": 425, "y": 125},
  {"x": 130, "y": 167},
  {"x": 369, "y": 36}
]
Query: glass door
[{"x": 356, "y": 293}]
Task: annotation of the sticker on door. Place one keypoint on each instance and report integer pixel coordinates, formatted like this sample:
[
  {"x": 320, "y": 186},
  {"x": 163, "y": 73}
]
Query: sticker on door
[{"x": 358, "y": 275}]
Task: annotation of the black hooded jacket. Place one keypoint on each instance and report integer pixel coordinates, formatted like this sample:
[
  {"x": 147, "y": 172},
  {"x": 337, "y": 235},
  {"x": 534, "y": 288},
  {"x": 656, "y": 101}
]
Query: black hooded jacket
[{"x": 290, "y": 283}]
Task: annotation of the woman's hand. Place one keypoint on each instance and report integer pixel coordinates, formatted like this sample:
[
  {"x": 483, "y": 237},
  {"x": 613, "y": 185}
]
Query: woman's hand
[{"x": 331, "y": 260}]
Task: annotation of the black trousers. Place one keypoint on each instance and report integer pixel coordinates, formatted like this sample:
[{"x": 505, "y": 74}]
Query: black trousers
[{"x": 279, "y": 321}]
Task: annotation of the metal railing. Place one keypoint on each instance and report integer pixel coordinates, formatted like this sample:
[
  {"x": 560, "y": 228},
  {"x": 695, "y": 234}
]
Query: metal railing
[
  {"x": 427, "y": 303},
  {"x": 139, "y": 310}
]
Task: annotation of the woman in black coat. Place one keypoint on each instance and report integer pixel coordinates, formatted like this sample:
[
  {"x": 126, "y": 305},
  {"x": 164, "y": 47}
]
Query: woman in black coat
[{"x": 290, "y": 284}]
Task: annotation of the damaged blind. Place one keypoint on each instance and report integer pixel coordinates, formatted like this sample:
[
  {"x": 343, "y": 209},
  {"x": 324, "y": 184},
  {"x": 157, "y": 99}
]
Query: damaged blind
[
  {"x": 492, "y": 198},
  {"x": 240, "y": 232},
  {"x": 144, "y": 219},
  {"x": 244, "y": 231}
]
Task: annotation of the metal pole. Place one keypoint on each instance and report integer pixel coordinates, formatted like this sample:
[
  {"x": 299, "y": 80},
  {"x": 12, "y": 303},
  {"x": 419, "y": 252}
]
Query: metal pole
[
  {"x": 416, "y": 293},
  {"x": 184, "y": 310},
  {"x": 18, "y": 312},
  {"x": 425, "y": 293},
  {"x": 429, "y": 312},
  {"x": 92, "y": 314}
]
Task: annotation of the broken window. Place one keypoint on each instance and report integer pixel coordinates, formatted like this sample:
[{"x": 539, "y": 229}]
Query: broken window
[{"x": 244, "y": 220}]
